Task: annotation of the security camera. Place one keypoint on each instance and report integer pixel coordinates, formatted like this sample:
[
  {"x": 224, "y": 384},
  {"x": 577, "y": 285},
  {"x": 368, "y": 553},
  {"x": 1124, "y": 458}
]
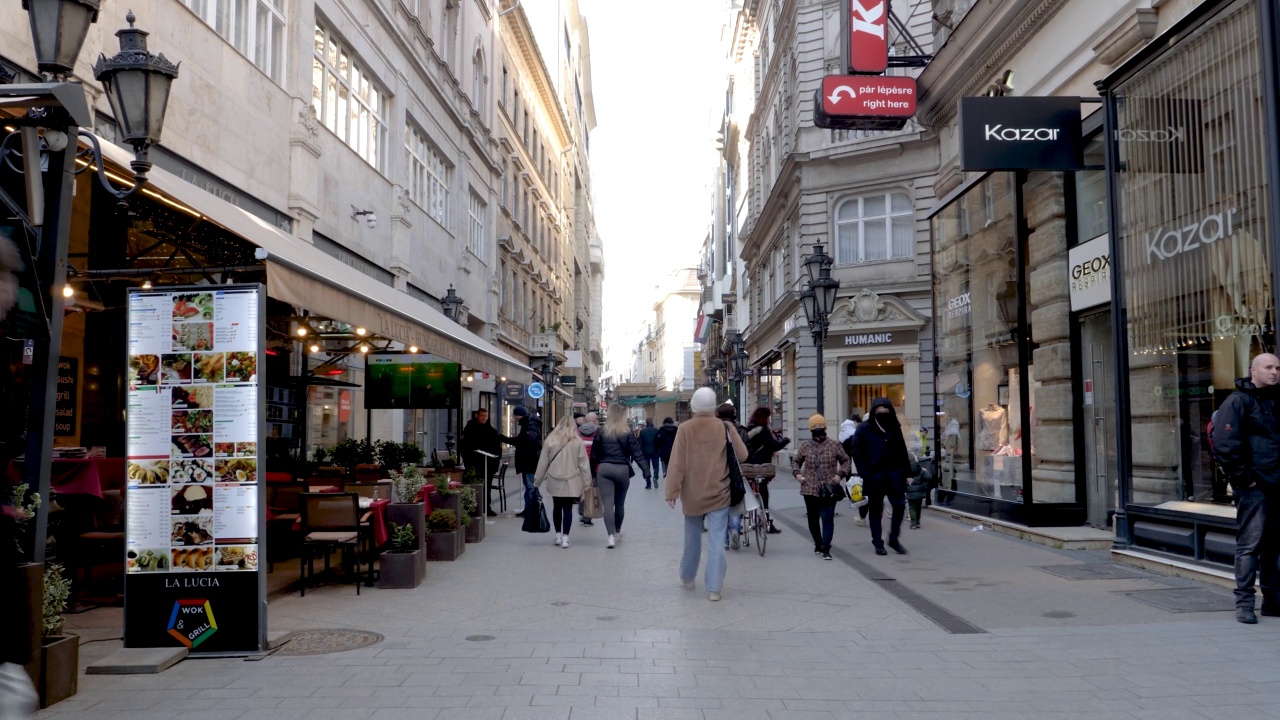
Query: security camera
[{"x": 371, "y": 220}]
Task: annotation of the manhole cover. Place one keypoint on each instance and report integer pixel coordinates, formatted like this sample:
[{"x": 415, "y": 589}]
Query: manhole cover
[
  {"x": 320, "y": 642},
  {"x": 479, "y": 638},
  {"x": 1096, "y": 571},
  {"x": 560, "y": 603},
  {"x": 1058, "y": 614},
  {"x": 607, "y": 617},
  {"x": 1184, "y": 600}
]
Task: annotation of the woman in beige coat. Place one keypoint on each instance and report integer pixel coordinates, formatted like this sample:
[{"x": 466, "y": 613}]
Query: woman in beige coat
[
  {"x": 564, "y": 468},
  {"x": 698, "y": 477}
]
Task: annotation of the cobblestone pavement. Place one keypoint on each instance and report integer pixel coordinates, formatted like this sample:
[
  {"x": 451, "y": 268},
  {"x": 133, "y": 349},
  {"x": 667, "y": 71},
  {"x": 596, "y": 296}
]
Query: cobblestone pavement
[{"x": 518, "y": 628}]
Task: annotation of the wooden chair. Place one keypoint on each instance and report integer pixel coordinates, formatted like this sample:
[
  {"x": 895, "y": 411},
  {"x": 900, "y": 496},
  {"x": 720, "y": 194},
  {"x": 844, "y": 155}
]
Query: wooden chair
[
  {"x": 331, "y": 471},
  {"x": 498, "y": 482},
  {"x": 330, "y": 520},
  {"x": 285, "y": 501},
  {"x": 320, "y": 484}
]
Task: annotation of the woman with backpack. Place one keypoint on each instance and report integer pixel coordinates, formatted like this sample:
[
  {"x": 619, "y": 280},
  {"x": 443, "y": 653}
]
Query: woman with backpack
[{"x": 613, "y": 451}]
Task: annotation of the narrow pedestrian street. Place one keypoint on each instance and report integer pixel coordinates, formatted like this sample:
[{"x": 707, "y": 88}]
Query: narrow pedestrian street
[{"x": 966, "y": 625}]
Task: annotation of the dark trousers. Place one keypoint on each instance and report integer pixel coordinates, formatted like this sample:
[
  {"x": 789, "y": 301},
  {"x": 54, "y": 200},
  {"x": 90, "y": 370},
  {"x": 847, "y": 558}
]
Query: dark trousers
[
  {"x": 613, "y": 481},
  {"x": 876, "y": 492},
  {"x": 763, "y": 486},
  {"x": 562, "y": 513},
  {"x": 1258, "y": 545},
  {"x": 528, "y": 480},
  {"x": 655, "y": 468},
  {"x": 821, "y": 514},
  {"x": 914, "y": 509}
]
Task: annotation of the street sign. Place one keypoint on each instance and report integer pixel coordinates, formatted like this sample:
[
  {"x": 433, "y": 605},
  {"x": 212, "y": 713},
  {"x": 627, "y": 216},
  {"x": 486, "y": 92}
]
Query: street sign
[
  {"x": 866, "y": 35},
  {"x": 536, "y": 390},
  {"x": 864, "y": 102},
  {"x": 568, "y": 381},
  {"x": 604, "y": 405},
  {"x": 513, "y": 391}
]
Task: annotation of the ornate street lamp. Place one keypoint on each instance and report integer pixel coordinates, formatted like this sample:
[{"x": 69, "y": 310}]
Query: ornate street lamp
[
  {"x": 137, "y": 85},
  {"x": 818, "y": 301},
  {"x": 452, "y": 305},
  {"x": 58, "y": 30}
]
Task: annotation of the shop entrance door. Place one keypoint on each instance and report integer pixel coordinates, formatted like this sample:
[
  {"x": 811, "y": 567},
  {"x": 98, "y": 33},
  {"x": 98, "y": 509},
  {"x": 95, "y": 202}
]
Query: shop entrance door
[{"x": 1098, "y": 378}]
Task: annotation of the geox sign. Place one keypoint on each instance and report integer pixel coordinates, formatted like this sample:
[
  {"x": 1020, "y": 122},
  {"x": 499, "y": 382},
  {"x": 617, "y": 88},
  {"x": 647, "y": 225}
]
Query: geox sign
[{"x": 1020, "y": 133}]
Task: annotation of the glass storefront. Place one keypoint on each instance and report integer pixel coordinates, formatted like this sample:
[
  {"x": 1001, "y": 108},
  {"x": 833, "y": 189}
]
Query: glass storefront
[
  {"x": 876, "y": 378},
  {"x": 768, "y": 391}
]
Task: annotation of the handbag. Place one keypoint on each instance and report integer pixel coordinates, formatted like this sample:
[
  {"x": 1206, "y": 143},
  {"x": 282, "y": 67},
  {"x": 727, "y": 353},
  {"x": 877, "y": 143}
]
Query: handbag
[
  {"x": 592, "y": 505},
  {"x": 831, "y": 492},
  {"x": 535, "y": 515},
  {"x": 737, "y": 488}
]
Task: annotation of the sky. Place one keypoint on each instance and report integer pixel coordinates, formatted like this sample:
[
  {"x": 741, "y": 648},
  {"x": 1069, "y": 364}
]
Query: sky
[{"x": 657, "y": 70}]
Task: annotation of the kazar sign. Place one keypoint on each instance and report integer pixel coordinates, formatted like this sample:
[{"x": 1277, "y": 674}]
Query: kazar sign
[{"x": 1020, "y": 133}]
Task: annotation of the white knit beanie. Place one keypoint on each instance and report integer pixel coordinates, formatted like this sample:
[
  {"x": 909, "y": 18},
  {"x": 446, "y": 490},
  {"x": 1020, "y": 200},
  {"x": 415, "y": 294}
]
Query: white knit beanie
[{"x": 704, "y": 400}]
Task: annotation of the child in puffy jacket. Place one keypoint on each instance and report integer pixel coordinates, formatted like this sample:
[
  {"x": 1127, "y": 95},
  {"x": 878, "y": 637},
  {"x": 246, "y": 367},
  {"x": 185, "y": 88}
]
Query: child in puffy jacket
[{"x": 918, "y": 486}]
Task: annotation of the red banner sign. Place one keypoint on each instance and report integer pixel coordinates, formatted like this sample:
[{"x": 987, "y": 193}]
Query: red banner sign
[
  {"x": 868, "y": 96},
  {"x": 867, "y": 36}
]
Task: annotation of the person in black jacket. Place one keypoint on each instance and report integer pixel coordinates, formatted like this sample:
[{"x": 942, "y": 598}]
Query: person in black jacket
[
  {"x": 478, "y": 435},
  {"x": 1246, "y": 445},
  {"x": 666, "y": 441},
  {"x": 613, "y": 451},
  {"x": 649, "y": 446},
  {"x": 762, "y": 443},
  {"x": 880, "y": 454},
  {"x": 528, "y": 444}
]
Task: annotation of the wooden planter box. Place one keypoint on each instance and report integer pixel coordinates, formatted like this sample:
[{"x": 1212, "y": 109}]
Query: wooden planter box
[
  {"x": 442, "y": 546},
  {"x": 32, "y": 594},
  {"x": 460, "y": 537},
  {"x": 402, "y": 570},
  {"x": 412, "y": 514},
  {"x": 59, "y": 669},
  {"x": 475, "y": 530}
]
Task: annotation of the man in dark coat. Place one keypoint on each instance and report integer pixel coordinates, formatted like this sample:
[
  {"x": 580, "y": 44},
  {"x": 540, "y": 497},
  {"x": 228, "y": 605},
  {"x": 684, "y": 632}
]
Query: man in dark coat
[
  {"x": 1246, "y": 445},
  {"x": 880, "y": 454},
  {"x": 666, "y": 440},
  {"x": 649, "y": 446},
  {"x": 478, "y": 435},
  {"x": 528, "y": 444}
]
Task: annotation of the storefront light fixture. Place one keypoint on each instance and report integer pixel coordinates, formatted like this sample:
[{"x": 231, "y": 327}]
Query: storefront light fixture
[
  {"x": 413, "y": 349},
  {"x": 361, "y": 332},
  {"x": 302, "y": 331},
  {"x": 364, "y": 348},
  {"x": 146, "y": 284},
  {"x": 68, "y": 291}
]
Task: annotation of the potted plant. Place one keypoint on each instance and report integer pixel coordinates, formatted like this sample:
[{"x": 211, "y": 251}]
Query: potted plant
[
  {"x": 405, "y": 564},
  {"x": 392, "y": 454},
  {"x": 442, "y": 535},
  {"x": 31, "y": 592},
  {"x": 475, "y": 528},
  {"x": 59, "y": 654},
  {"x": 407, "y": 507},
  {"x": 447, "y": 498},
  {"x": 352, "y": 452},
  {"x": 464, "y": 519}
]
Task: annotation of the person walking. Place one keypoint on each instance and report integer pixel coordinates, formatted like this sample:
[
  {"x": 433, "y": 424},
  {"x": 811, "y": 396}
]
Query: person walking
[
  {"x": 698, "y": 477},
  {"x": 919, "y": 483},
  {"x": 847, "y": 428},
  {"x": 823, "y": 462},
  {"x": 1246, "y": 445},
  {"x": 762, "y": 443},
  {"x": 649, "y": 446},
  {"x": 880, "y": 454},
  {"x": 733, "y": 531},
  {"x": 666, "y": 439},
  {"x": 613, "y": 452},
  {"x": 566, "y": 471},
  {"x": 588, "y": 428},
  {"x": 528, "y": 444}
]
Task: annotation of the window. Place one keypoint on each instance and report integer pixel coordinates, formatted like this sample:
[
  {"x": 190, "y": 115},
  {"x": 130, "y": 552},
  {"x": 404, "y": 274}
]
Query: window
[
  {"x": 504, "y": 291},
  {"x": 346, "y": 99},
  {"x": 476, "y": 208},
  {"x": 505, "y": 80},
  {"x": 478, "y": 81},
  {"x": 254, "y": 27},
  {"x": 503, "y": 197},
  {"x": 875, "y": 227},
  {"x": 428, "y": 175},
  {"x": 779, "y": 271}
]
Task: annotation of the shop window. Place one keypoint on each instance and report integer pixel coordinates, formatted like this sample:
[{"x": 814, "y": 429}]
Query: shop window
[
  {"x": 476, "y": 211},
  {"x": 1091, "y": 193},
  {"x": 347, "y": 99},
  {"x": 876, "y": 378},
  {"x": 428, "y": 174},
  {"x": 875, "y": 227},
  {"x": 254, "y": 27},
  {"x": 1196, "y": 235}
]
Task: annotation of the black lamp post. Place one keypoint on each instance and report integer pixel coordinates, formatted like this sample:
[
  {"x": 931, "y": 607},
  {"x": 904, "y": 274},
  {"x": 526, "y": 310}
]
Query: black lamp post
[
  {"x": 818, "y": 300},
  {"x": 58, "y": 30},
  {"x": 452, "y": 305},
  {"x": 137, "y": 85}
]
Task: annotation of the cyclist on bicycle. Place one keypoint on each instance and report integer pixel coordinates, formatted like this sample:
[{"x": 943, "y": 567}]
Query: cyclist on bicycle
[{"x": 762, "y": 443}]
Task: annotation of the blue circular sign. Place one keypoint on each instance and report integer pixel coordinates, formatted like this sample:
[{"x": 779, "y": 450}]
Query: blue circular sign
[{"x": 536, "y": 390}]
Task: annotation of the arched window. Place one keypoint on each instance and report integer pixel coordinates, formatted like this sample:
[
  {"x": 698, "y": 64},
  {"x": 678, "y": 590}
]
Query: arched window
[
  {"x": 875, "y": 227},
  {"x": 478, "y": 82}
]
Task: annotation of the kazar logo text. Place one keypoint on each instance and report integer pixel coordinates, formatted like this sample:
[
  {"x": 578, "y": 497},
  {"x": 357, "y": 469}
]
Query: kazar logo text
[
  {"x": 1163, "y": 244},
  {"x": 1002, "y": 133}
]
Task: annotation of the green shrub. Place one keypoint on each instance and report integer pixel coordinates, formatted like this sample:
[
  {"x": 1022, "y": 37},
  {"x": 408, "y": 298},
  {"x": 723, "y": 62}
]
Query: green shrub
[
  {"x": 469, "y": 503},
  {"x": 352, "y": 452},
  {"x": 403, "y": 539},
  {"x": 57, "y": 590},
  {"x": 394, "y": 454},
  {"x": 407, "y": 482},
  {"x": 442, "y": 521},
  {"x": 466, "y": 518}
]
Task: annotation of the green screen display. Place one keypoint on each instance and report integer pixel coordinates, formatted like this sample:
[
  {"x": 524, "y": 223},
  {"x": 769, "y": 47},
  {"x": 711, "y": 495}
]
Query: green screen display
[{"x": 398, "y": 382}]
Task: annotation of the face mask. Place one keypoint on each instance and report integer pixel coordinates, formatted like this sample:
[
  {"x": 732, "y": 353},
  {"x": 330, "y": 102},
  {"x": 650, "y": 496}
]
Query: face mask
[{"x": 819, "y": 433}]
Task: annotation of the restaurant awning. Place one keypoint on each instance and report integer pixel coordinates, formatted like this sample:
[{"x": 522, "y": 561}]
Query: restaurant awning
[{"x": 302, "y": 275}]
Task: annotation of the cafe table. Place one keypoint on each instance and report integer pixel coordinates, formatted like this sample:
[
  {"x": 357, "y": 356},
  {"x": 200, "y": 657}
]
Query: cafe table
[{"x": 78, "y": 476}]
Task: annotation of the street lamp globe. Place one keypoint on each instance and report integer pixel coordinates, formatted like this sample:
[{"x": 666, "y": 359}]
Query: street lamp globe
[
  {"x": 58, "y": 30},
  {"x": 740, "y": 361},
  {"x": 137, "y": 85},
  {"x": 814, "y": 262},
  {"x": 825, "y": 288}
]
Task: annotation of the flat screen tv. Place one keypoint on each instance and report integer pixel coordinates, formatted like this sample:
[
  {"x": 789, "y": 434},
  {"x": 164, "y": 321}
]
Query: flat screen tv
[{"x": 399, "y": 382}]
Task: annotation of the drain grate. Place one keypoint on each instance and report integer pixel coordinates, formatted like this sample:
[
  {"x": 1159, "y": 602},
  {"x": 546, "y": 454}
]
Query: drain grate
[
  {"x": 480, "y": 638},
  {"x": 1096, "y": 571},
  {"x": 321, "y": 642},
  {"x": 1184, "y": 600},
  {"x": 606, "y": 618}
]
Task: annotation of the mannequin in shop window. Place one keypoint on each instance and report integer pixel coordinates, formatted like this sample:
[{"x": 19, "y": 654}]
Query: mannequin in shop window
[{"x": 994, "y": 434}]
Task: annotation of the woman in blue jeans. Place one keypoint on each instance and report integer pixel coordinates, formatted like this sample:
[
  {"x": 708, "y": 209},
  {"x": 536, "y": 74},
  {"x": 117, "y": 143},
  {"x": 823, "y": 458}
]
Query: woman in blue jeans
[
  {"x": 698, "y": 477},
  {"x": 612, "y": 453}
]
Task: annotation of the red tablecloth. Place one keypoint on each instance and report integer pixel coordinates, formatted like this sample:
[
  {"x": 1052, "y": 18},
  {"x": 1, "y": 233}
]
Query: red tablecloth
[
  {"x": 79, "y": 476},
  {"x": 279, "y": 477}
]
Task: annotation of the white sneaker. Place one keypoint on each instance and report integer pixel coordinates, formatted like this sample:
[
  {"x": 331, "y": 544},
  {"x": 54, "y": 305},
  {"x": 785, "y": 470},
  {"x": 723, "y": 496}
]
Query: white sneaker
[
  {"x": 860, "y": 522},
  {"x": 612, "y": 541},
  {"x": 559, "y": 539},
  {"x": 565, "y": 542}
]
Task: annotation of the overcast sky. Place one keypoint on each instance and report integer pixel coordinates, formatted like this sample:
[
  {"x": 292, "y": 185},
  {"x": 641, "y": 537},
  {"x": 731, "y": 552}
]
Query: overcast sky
[{"x": 657, "y": 71}]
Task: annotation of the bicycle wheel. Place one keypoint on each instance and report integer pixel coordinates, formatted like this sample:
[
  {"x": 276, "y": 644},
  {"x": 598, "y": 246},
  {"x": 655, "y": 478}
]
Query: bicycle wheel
[
  {"x": 761, "y": 531},
  {"x": 744, "y": 529}
]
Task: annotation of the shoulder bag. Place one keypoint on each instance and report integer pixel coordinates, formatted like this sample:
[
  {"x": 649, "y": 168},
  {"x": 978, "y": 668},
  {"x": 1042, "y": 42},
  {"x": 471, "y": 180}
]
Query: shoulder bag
[{"x": 737, "y": 488}]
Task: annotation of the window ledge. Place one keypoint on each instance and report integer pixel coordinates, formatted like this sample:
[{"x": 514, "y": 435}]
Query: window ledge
[{"x": 868, "y": 263}]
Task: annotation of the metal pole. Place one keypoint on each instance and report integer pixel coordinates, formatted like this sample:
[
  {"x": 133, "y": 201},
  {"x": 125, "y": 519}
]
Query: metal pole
[
  {"x": 1119, "y": 328},
  {"x": 51, "y": 276},
  {"x": 817, "y": 345}
]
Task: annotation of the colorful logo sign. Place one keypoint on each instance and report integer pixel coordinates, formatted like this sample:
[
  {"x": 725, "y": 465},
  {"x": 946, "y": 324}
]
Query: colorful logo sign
[
  {"x": 536, "y": 390},
  {"x": 192, "y": 622}
]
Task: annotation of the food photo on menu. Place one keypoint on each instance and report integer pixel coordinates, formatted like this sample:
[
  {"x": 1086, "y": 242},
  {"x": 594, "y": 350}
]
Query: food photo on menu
[
  {"x": 193, "y": 559},
  {"x": 190, "y": 471},
  {"x": 193, "y": 398},
  {"x": 193, "y": 422},
  {"x": 210, "y": 367},
  {"x": 144, "y": 369},
  {"x": 224, "y": 449},
  {"x": 247, "y": 449},
  {"x": 241, "y": 366},
  {"x": 238, "y": 470},
  {"x": 185, "y": 446},
  {"x": 192, "y": 500},
  {"x": 236, "y": 557},
  {"x": 193, "y": 306},
  {"x": 148, "y": 560},
  {"x": 192, "y": 530},
  {"x": 192, "y": 336},
  {"x": 148, "y": 472},
  {"x": 175, "y": 369}
]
